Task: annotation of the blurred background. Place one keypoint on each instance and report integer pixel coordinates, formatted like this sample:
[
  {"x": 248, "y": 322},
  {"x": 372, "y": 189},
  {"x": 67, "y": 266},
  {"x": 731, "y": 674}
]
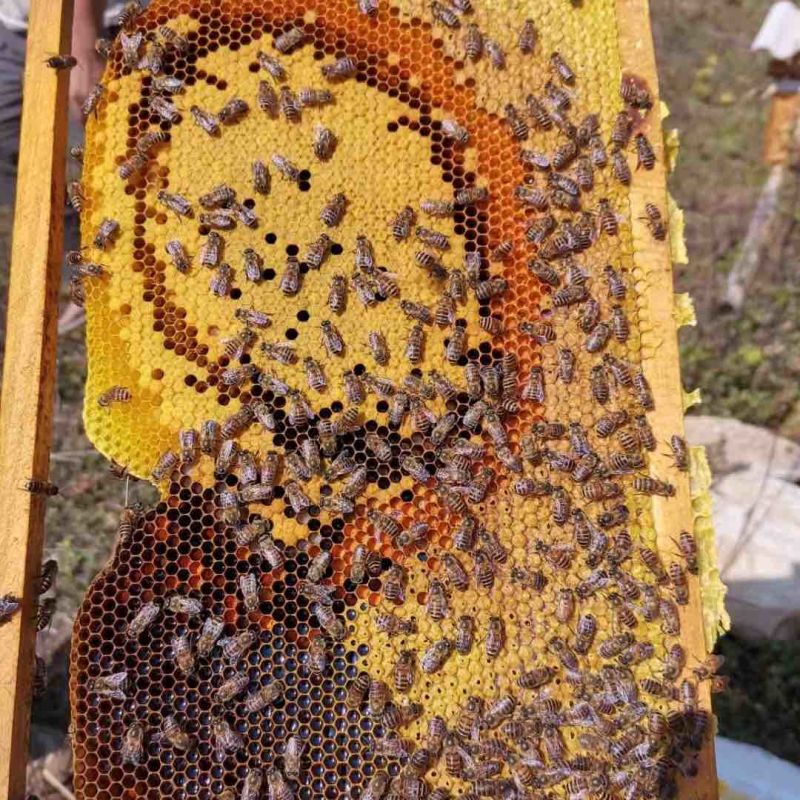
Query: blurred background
[{"x": 738, "y": 183}]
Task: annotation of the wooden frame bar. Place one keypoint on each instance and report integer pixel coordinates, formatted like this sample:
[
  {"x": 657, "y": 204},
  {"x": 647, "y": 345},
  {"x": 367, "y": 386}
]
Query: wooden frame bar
[
  {"x": 30, "y": 367},
  {"x": 637, "y": 55}
]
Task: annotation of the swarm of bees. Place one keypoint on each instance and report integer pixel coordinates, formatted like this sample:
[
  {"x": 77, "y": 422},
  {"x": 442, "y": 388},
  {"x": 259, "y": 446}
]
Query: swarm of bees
[{"x": 565, "y": 726}]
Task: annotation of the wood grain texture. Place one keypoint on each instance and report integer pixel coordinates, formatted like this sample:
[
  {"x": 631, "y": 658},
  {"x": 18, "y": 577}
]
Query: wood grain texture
[
  {"x": 653, "y": 258},
  {"x": 30, "y": 365}
]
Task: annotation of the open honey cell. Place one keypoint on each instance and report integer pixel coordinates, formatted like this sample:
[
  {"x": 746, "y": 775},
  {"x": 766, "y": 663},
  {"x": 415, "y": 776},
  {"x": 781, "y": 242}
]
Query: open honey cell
[{"x": 379, "y": 295}]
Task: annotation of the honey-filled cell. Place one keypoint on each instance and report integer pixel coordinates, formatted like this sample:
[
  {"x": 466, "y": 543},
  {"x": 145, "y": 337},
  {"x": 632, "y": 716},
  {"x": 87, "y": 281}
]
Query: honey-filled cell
[{"x": 373, "y": 319}]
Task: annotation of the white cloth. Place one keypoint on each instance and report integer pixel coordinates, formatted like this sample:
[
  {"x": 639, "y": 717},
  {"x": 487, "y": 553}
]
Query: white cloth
[
  {"x": 751, "y": 773},
  {"x": 780, "y": 31},
  {"x": 14, "y": 14}
]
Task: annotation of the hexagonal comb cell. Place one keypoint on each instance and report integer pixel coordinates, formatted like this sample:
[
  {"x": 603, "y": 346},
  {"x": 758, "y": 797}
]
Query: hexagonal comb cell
[{"x": 371, "y": 318}]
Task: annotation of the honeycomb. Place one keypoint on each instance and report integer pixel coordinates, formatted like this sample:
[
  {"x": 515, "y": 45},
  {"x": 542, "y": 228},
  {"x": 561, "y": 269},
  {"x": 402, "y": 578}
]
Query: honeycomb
[{"x": 407, "y": 541}]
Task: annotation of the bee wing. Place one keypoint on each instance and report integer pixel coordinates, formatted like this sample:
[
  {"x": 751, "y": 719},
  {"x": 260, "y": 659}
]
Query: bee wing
[{"x": 117, "y": 680}]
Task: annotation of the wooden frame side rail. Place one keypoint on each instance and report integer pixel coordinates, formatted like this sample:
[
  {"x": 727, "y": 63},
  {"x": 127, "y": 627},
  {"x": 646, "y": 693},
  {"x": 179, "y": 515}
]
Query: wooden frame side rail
[{"x": 30, "y": 365}]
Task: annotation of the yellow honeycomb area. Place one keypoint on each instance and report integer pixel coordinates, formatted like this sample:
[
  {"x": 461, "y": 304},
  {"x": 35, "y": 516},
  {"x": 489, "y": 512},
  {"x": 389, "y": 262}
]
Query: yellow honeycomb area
[{"x": 162, "y": 335}]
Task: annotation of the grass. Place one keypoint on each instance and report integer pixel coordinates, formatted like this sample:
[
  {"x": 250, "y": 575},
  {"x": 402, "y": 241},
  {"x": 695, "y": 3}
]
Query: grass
[{"x": 746, "y": 365}]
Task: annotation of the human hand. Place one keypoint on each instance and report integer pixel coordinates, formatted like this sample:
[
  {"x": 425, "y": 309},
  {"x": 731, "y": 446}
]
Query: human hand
[{"x": 86, "y": 74}]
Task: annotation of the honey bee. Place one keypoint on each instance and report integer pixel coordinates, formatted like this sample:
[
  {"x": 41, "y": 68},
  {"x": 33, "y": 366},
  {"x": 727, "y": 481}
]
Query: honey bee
[
  {"x": 534, "y": 388},
  {"x": 341, "y": 69},
  {"x": 102, "y": 47},
  {"x": 584, "y": 174},
  {"x": 279, "y": 788},
  {"x": 324, "y": 142},
  {"x": 227, "y": 454},
  {"x": 183, "y": 604},
  {"x": 598, "y": 338},
  {"x": 333, "y": 211},
  {"x": 164, "y": 466},
  {"x": 560, "y": 101},
  {"x": 655, "y": 222},
  {"x": 248, "y": 586},
  {"x": 144, "y": 618},
  {"x": 620, "y": 168},
  {"x": 92, "y": 100},
  {"x": 267, "y": 99},
  {"x": 226, "y": 740},
  {"x": 357, "y": 691},
  {"x": 436, "y": 602},
  {"x": 176, "y": 203},
  {"x": 435, "y": 656},
  {"x": 565, "y": 606},
  {"x": 221, "y": 282},
  {"x": 607, "y": 218},
  {"x": 235, "y": 647},
  {"x": 153, "y": 59},
  {"x": 106, "y": 231},
  {"x": 292, "y": 757},
  {"x": 518, "y": 126},
  {"x": 209, "y": 634},
  {"x": 112, "y": 686},
  {"x": 455, "y": 131},
  {"x": 150, "y": 140},
  {"x": 232, "y": 687},
  {"x": 115, "y": 394},
  {"x": 286, "y": 168},
  {"x": 365, "y": 290},
  {"x": 502, "y": 250},
  {"x": 688, "y": 548},
  {"x": 329, "y": 622},
  {"x": 271, "y": 65},
  {"x": 644, "y": 152},
  {"x": 132, "y": 749},
  {"x": 680, "y": 587},
  {"x": 541, "y": 229},
  {"x": 166, "y": 84},
  {"x": 265, "y": 696},
  {"x": 404, "y": 670},
  {"x": 562, "y": 69},
  {"x": 497, "y": 56},
  {"x": 377, "y": 786},
  {"x": 472, "y": 42},
  {"x": 564, "y": 155},
  {"x": 75, "y": 196},
  {"x": 337, "y": 293},
  {"x": 173, "y": 38},
  {"x": 456, "y": 346},
  {"x": 128, "y": 14},
  {"x": 644, "y": 433},
  {"x": 437, "y": 208},
  {"x": 394, "y": 583},
  {"x": 317, "y": 659},
  {"x": 315, "y": 377},
  {"x": 484, "y": 570},
  {"x": 285, "y": 43},
  {"x": 318, "y": 566},
  {"x": 182, "y": 651},
  {"x": 495, "y": 637},
  {"x": 445, "y": 15},
  {"x": 619, "y": 324},
  {"x": 536, "y": 198},
  {"x": 318, "y": 251},
  {"x": 211, "y": 251}
]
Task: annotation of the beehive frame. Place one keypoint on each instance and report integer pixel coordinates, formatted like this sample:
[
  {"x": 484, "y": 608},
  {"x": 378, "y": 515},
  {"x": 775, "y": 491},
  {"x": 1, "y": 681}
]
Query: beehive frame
[
  {"x": 675, "y": 514},
  {"x": 30, "y": 366}
]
